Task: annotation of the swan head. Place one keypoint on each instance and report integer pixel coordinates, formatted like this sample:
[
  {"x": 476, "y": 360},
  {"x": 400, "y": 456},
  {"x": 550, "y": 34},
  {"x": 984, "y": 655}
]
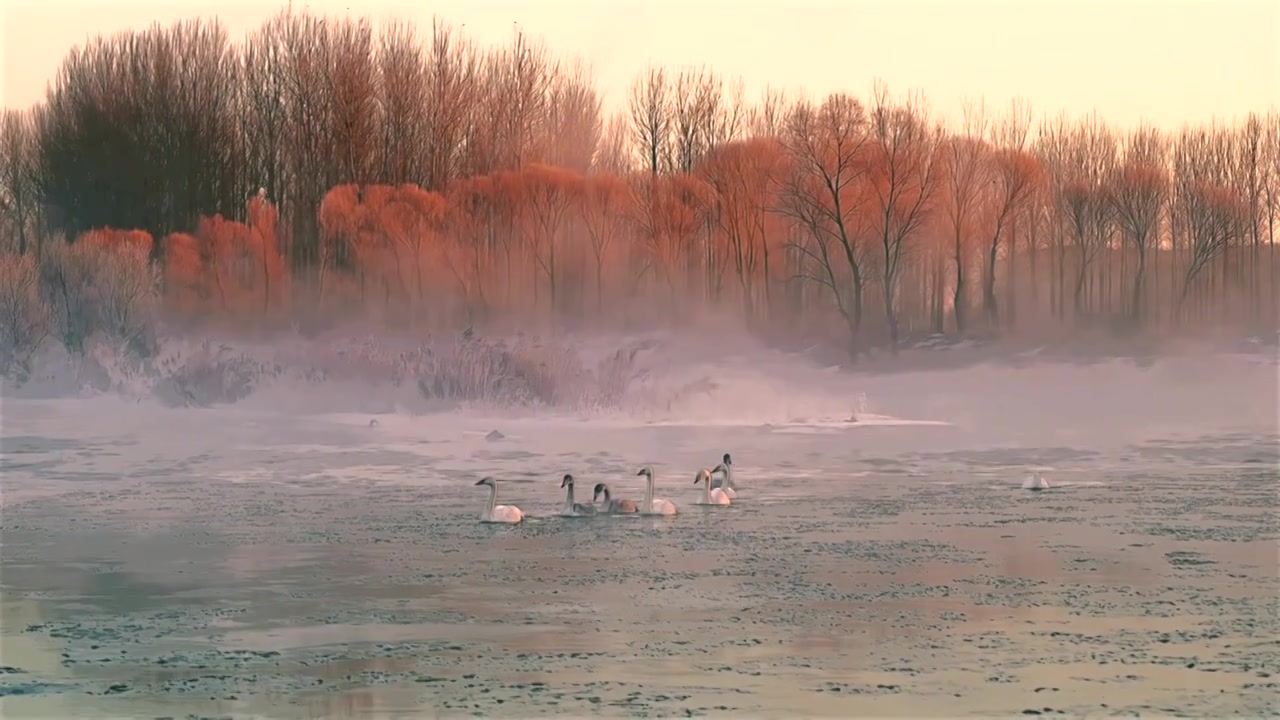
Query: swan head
[
  {"x": 726, "y": 459},
  {"x": 703, "y": 474},
  {"x": 567, "y": 480},
  {"x": 600, "y": 489},
  {"x": 646, "y": 471},
  {"x": 487, "y": 480}
]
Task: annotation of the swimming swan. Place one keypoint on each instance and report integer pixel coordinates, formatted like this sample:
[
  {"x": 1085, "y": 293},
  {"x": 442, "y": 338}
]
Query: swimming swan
[
  {"x": 709, "y": 496},
  {"x": 725, "y": 483},
  {"x": 1036, "y": 482},
  {"x": 652, "y": 506},
  {"x": 571, "y": 508},
  {"x": 494, "y": 513},
  {"x": 620, "y": 506}
]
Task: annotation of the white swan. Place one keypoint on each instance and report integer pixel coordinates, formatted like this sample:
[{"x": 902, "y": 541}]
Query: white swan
[
  {"x": 617, "y": 507},
  {"x": 571, "y": 508},
  {"x": 725, "y": 483},
  {"x": 651, "y": 505},
  {"x": 709, "y": 496},
  {"x": 1036, "y": 482},
  {"x": 494, "y": 513}
]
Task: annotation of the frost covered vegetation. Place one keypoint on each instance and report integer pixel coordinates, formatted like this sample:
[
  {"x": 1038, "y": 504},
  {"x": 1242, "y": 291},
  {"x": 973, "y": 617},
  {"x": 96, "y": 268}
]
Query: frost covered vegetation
[{"x": 323, "y": 175}]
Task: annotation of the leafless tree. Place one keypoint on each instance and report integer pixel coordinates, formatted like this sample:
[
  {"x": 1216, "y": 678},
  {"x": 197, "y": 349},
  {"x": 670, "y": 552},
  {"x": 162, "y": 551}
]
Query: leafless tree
[
  {"x": 1014, "y": 176},
  {"x": 1212, "y": 214},
  {"x": 650, "y": 113},
  {"x": 573, "y": 126},
  {"x": 402, "y": 86},
  {"x": 1137, "y": 189},
  {"x": 613, "y": 153},
  {"x": 905, "y": 177},
  {"x": 461, "y": 105},
  {"x": 967, "y": 172},
  {"x": 825, "y": 192},
  {"x": 19, "y": 201},
  {"x": 768, "y": 118}
]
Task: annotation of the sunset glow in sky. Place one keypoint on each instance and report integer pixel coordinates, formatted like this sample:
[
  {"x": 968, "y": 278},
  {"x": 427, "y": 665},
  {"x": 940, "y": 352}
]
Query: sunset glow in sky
[{"x": 1165, "y": 61}]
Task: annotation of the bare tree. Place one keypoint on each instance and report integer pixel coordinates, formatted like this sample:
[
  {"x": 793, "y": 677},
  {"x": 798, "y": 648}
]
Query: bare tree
[
  {"x": 1137, "y": 189},
  {"x": 967, "y": 172},
  {"x": 1212, "y": 214},
  {"x": 1015, "y": 174},
  {"x": 573, "y": 125},
  {"x": 402, "y": 93},
  {"x": 768, "y": 118},
  {"x": 1088, "y": 151},
  {"x": 905, "y": 175},
  {"x": 19, "y": 201},
  {"x": 649, "y": 108},
  {"x": 462, "y": 115},
  {"x": 825, "y": 193},
  {"x": 613, "y": 153},
  {"x": 1250, "y": 174}
]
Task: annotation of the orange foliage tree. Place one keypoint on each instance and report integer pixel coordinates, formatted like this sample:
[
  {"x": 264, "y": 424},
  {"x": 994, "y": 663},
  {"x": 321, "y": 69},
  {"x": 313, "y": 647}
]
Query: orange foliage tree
[
  {"x": 745, "y": 176},
  {"x": 603, "y": 204},
  {"x": 544, "y": 195},
  {"x": 667, "y": 212}
]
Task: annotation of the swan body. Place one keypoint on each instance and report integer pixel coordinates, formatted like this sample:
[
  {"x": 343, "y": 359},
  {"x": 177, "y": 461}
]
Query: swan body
[
  {"x": 1036, "y": 482},
  {"x": 652, "y": 505},
  {"x": 571, "y": 508},
  {"x": 724, "y": 483},
  {"x": 710, "y": 496},
  {"x": 495, "y": 513},
  {"x": 620, "y": 506}
]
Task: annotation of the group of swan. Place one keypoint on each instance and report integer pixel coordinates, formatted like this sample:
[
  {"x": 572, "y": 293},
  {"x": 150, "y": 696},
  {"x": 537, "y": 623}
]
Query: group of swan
[{"x": 715, "y": 491}]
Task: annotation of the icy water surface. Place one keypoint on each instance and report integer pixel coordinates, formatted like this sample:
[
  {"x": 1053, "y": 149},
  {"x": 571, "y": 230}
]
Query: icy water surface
[{"x": 249, "y": 563}]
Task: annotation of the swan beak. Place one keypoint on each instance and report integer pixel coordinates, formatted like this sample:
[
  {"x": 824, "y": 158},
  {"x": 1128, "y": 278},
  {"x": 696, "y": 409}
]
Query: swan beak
[
  {"x": 480, "y": 482},
  {"x": 564, "y": 482},
  {"x": 639, "y": 473}
]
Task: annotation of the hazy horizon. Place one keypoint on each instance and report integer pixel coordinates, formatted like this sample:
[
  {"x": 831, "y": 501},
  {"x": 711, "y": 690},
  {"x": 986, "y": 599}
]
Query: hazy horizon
[{"x": 1191, "y": 63}]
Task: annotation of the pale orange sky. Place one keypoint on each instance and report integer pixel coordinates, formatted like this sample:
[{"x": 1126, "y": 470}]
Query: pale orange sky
[{"x": 1166, "y": 61}]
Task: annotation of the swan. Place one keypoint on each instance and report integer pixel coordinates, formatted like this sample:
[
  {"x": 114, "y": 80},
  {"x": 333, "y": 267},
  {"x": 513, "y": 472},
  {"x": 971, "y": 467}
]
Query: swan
[
  {"x": 494, "y": 513},
  {"x": 725, "y": 483},
  {"x": 619, "y": 506},
  {"x": 709, "y": 496},
  {"x": 571, "y": 508},
  {"x": 1036, "y": 482},
  {"x": 651, "y": 505}
]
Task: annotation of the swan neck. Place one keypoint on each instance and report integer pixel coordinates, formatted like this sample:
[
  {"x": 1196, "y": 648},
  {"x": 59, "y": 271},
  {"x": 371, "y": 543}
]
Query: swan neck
[
  {"x": 568, "y": 497},
  {"x": 493, "y": 499},
  {"x": 648, "y": 492},
  {"x": 706, "y": 491}
]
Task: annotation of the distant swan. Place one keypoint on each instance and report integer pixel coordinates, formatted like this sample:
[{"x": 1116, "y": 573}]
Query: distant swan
[
  {"x": 709, "y": 496},
  {"x": 652, "y": 506},
  {"x": 494, "y": 513},
  {"x": 725, "y": 483},
  {"x": 1036, "y": 482},
  {"x": 620, "y": 506},
  {"x": 571, "y": 508}
]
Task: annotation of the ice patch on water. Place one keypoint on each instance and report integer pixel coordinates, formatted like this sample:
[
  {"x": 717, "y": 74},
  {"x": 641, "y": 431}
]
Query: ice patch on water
[
  {"x": 245, "y": 475},
  {"x": 366, "y": 474}
]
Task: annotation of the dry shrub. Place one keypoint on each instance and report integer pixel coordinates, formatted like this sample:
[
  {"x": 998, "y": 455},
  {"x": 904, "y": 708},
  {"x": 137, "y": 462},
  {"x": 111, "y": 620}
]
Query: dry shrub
[
  {"x": 528, "y": 372},
  {"x": 92, "y": 289},
  {"x": 24, "y": 318},
  {"x": 207, "y": 377}
]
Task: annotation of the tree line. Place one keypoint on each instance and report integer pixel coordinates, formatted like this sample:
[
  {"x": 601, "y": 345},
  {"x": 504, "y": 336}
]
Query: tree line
[{"x": 323, "y": 166}]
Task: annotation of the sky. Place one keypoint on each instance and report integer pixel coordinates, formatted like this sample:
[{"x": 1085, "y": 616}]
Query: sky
[{"x": 1166, "y": 62}]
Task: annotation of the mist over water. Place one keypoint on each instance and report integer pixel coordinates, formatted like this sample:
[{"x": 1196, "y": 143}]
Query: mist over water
[{"x": 310, "y": 546}]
